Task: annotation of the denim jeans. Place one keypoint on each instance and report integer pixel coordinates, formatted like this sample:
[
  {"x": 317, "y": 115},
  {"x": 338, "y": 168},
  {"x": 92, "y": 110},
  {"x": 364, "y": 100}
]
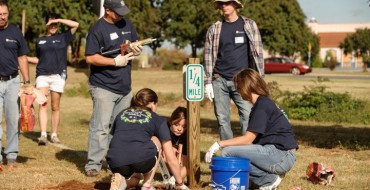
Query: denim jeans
[
  {"x": 106, "y": 106},
  {"x": 9, "y": 105},
  {"x": 267, "y": 162},
  {"x": 224, "y": 90}
]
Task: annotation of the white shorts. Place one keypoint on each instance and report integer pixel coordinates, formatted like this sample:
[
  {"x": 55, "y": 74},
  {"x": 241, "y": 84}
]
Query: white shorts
[{"x": 53, "y": 82}]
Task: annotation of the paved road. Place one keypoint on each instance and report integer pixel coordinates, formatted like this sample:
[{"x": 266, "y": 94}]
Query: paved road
[{"x": 322, "y": 72}]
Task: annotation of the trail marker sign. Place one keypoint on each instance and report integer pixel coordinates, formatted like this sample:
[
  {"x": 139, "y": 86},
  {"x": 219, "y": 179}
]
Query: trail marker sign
[{"x": 194, "y": 82}]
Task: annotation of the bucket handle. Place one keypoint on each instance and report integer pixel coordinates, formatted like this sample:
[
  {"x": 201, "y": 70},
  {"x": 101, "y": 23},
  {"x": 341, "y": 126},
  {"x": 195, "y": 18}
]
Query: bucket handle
[{"x": 215, "y": 184}]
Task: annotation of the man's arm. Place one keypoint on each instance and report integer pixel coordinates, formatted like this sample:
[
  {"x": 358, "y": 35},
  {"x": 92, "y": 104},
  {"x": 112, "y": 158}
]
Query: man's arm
[
  {"x": 99, "y": 60},
  {"x": 208, "y": 65},
  {"x": 23, "y": 66}
]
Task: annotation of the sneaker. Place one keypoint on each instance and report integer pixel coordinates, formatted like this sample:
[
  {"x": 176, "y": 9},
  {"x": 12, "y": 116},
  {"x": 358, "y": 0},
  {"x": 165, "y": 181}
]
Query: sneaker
[
  {"x": 55, "y": 140},
  {"x": 42, "y": 141},
  {"x": 92, "y": 173},
  {"x": 272, "y": 186},
  {"x": 1, "y": 166},
  {"x": 12, "y": 163},
  {"x": 118, "y": 182}
]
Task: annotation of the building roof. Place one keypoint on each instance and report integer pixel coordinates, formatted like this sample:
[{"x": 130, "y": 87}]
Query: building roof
[{"x": 331, "y": 39}]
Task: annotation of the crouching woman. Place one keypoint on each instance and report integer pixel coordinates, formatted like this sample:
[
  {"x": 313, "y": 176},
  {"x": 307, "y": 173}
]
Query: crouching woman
[
  {"x": 269, "y": 141},
  {"x": 139, "y": 135}
]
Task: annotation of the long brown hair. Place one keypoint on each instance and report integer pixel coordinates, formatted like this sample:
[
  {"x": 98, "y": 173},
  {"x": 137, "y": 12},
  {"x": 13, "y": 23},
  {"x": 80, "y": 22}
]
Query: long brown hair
[
  {"x": 143, "y": 98},
  {"x": 249, "y": 81},
  {"x": 177, "y": 115}
]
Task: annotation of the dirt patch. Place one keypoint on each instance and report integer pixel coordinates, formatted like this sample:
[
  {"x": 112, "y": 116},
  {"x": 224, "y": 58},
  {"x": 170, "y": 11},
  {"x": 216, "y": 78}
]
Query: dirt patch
[{"x": 71, "y": 185}]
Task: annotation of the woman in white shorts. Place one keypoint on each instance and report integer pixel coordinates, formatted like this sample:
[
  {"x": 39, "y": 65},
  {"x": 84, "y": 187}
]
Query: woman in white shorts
[{"x": 51, "y": 70}]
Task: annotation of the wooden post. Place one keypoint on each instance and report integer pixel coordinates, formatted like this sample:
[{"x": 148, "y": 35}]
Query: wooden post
[
  {"x": 23, "y": 21},
  {"x": 193, "y": 133}
]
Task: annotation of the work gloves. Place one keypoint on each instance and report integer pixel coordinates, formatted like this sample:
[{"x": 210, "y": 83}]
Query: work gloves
[
  {"x": 209, "y": 92},
  {"x": 122, "y": 60},
  {"x": 211, "y": 151},
  {"x": 136, "y": 49}
]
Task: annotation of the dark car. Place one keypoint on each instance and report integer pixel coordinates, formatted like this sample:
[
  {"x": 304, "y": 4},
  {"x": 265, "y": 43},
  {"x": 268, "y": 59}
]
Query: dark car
[{"x": 285, "y": 65}]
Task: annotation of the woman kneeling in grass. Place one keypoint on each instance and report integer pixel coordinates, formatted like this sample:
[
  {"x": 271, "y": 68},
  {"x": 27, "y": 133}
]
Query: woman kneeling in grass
[
  {"x": 139, "y": 135},
  {"x": 269, "y": 142}
]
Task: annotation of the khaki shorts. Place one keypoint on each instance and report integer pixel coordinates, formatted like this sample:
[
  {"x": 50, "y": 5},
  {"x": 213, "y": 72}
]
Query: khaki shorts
[{"x": 53, "y": 82}]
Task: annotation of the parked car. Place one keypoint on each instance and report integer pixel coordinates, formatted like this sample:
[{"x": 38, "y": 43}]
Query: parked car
[{"x": 285, "y": 65}]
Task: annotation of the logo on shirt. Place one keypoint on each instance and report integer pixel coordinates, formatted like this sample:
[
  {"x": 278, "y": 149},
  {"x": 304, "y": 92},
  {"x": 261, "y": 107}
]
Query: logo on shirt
[
  {"x": 9, "y": 40},
  {"x": 56, "y": 41},
  {"x": 123, "y": 33},
  {"x": 239, "y": 32},
  {"x": 136, "y": 116},
  {"x": 42, "y": 42}
]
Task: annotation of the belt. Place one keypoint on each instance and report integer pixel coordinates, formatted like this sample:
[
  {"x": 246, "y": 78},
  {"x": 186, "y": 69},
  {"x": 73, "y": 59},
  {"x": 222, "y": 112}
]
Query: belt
[{"x": 6, "y": 78}]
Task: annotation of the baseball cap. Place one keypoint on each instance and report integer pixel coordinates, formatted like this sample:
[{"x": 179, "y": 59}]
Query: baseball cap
[
  {"x": 117, "y": 6},
  {"x": 239, "y": 5}
]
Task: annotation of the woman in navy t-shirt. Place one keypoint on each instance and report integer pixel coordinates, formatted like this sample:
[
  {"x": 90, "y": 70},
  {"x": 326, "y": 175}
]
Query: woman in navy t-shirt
[
  {"x": 51, "y": 70},
  {"x": 177, "y": 125},
  {"x": 269, "y": 142},
  {"x": 139, "y": 135}
]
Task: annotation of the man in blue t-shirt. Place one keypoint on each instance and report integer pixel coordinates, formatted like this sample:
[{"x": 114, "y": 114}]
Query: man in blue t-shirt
[
  {"x": 110, "y": 77},
  {"x": 231, "y": 45},
  {"x": 13, "y": 51}
]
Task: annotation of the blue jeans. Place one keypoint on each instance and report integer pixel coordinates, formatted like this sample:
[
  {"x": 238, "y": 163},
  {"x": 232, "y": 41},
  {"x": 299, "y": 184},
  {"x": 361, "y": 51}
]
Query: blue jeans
[
  {"x": 224, "y": 90},
  {"x": 106, "y": 106},
  {"x": 267, "y": 162},
  {"x": 9, "y": 105}
]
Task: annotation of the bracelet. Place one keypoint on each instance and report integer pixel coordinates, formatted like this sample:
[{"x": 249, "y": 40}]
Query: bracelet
[{"x": 26, "y": 82}]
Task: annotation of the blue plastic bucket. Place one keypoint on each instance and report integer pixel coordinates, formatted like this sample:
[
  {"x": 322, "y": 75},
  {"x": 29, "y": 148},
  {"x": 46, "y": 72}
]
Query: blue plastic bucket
[{"x": 230, "y": 173}]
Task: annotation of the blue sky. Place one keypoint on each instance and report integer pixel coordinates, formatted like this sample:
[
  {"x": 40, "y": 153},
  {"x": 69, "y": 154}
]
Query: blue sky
[{"x": 337, "y": 11}]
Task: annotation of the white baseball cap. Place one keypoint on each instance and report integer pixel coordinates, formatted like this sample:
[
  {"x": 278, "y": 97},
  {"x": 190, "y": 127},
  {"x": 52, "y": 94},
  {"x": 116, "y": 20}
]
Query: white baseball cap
[{"x": 238, "y": 4}]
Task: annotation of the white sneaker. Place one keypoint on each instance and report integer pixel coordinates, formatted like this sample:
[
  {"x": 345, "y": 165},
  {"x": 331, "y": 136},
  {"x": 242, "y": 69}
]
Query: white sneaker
[
  {"x": 272, "y": 186},
  {"x": 118, "y": 182}
]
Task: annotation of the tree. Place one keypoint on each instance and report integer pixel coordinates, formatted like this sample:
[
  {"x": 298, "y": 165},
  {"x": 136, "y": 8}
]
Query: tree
[
  {"x": 187, "y": 22},
  {"x": 359, "y": 43},
  {"x": 282, "y": 27},
  {"x": 146, "y": 16},
  {"x": 35, "y": 13}
]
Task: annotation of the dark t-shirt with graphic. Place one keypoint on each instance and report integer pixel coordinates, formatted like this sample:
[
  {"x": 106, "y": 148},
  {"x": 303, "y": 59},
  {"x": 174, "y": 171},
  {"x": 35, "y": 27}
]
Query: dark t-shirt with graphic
[
  {"x": 52, "y": 53},
  {"x": 104, "y": 37},
  {"x": 12, "y": 45},
  {"x": 132, "y": 132},
  {"x": 271, "y": 124}
]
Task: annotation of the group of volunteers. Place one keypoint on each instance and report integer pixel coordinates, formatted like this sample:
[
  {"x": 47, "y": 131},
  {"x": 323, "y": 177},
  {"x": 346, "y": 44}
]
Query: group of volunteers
[{"x": 124, "y": 128}]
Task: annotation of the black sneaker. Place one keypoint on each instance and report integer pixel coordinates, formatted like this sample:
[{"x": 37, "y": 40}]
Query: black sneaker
[{"x": 92, "y": 173}]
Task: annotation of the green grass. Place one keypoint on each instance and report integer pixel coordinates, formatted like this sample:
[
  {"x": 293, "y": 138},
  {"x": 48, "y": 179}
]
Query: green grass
[{"x": 342, "y": 146}]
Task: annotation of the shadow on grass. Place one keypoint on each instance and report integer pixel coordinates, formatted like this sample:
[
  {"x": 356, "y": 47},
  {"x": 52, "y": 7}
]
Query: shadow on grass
[
  {"x": 77, "y": 157},
  {"x": 334, "y": 136}
]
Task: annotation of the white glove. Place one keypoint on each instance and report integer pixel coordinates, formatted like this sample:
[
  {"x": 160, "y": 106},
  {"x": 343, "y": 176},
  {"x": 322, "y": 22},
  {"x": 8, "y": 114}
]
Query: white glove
[
  {"x": 209, "y": 92},
  {"x": 211, "y": 151},
  {"x": 122, "y": 60},
  {"x": 136, "y": 49},
  {"x": 170, "y": 184}
]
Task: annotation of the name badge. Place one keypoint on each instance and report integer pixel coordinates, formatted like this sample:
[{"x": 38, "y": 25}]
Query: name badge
[
  {"x": 113, "y": 36},
  {"x": 239, "y": 40}
]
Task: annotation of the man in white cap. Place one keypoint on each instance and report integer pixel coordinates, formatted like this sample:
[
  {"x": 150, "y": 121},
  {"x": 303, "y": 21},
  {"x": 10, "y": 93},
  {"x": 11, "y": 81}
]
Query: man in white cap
[
  {"x": 231, "y": 45},
  {"x": 110, "y": 77}
]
